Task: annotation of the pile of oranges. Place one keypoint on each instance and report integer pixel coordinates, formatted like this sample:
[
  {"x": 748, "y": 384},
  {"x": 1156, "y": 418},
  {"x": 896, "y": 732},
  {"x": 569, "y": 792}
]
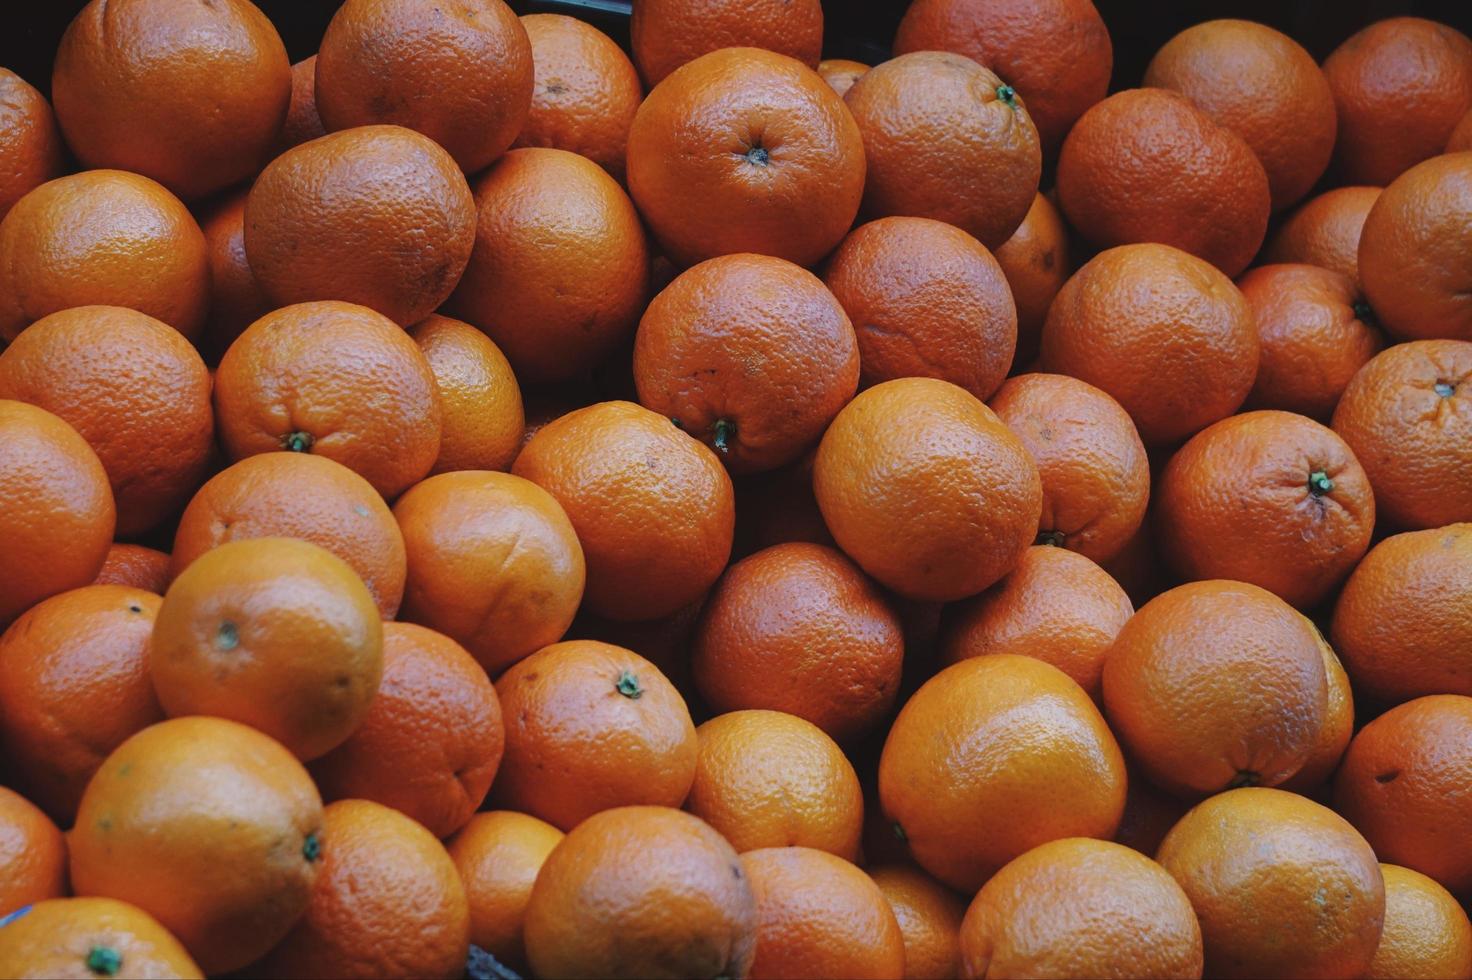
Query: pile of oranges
[{"x": 1054, "y": 506}]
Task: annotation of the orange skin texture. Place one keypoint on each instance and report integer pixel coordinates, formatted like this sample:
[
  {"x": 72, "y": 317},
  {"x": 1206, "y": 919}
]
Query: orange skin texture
[
  {"x": 56, "y": 508},
  {"x": 1146, "y": 165},
  {"x": 992, "y": 757},
  {"x": 498, "y": 855},
  {"x": 276, "y": 633},
  {"x": 57, "y": 936},
  {"x": 929, "y": 916},
  {"x": 1216, "y": 684},
  {"x": 841, "y": 73},
  {"x": 585, "y": 94},
  {"x": 1426, "y": 932},
  {"x": 1404, "y": 620},
  {"x": 1411, "y": 256},
  {"x": 1095, "y": 474},
  {"x": 560, "y": 271},
  {"x": 1166, "y": 335},
  {"x": 1056, "y": 606},
  {"x": 1407, "y": 415},
  {"x": 1262, "y": 85},
  {"x": 1334, "y": 737},
  {"x": 102, "y": 237},
  {"x": 1282, "y": 886},
  {"x": 387, "y": 902},
  {"x": 135, "y": 566},
  {"x": 431, "y": 740},
  {"x": 1081, "y": 908},
  {"x": 754, "y": 342},
  {"x": 944, "y": 140},
  {"x": 1400, "y": 85},
  {"x": 226, "y": 864},
  {"x": 926, "y": 489},
  {"x": 641, "y": 892},
  {"x": 770, "y": 779},
  {"x": 819, "y": 916},
  {"x": 336, "y": 380},
  {"x": 236, "y": 299},
  {"x": 655, "y": 539},
  {"x": 1037, "y": 262},
  {"x": 1325, "y": 231},
  {"x": 30, "y": 143},
  {"x": 667, "y": 34},
  {"x": 190, "y": 94},
  {"x": 577, "y": 744},
  {"x": 479, "y": 397},
  {"x": 494, "y": 564},
  {"x": 303, "y": 122},
  {"x": 926, "y": 300},
  {"x": 744, "y": 150},
  {"x": 134, "y": 388},
  {"x": 32, "y": 854},
  {"x": 74, "y": 685}
]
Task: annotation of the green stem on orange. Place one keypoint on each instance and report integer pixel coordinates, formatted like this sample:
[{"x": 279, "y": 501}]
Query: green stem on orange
[
  {"x": 1052, "y": 539},
  {"x": 1007, "y": 94},
  {"x": 724, "y": 430},
  {"x": 104, "y": 961},
  {"x": 1319, "y": 483},
  {"x": 628, "y": 685},
  {"x": 899, "y": 832},
  {"x": 1444, "y": 389},
  {"x": 1244, "y": 777},
  {"x": 312, "y": 847},
  {"x": 297, "y": 442}
]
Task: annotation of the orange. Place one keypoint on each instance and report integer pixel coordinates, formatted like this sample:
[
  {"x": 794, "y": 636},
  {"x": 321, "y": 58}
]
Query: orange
[
  {"x": 929, "y": 916},
  {"x": 925, "y": 488},
  {"x": 946, "y": 138},
  {"x": 303, "y": 122},
  {"x": 1281, "y": 885},
  {"x": 560, "y": 270},
  {"x": 1146, "y": 165},
  {"x": 387, "y": 902},
  {"x": 236, "y": 299},
  {"x": 226, "y": 863},
  {"x": 460, "y": 73},
  {"x": 102, "y": 237},
  {"x": 479, "y": 397},
  {"x": 1214, "y": 685},
  {"x": 1400, "y": 86},
  {"x": 1159, "y": 330},
  {"x": 819, "y": 916},
  {"x": 1081, "y": 908},
  {"x": 92, "y": 937},
  {"x": 74, "y": 685},
  {"x": 190, "y": 94},
  {"x": 29, "y": 139},
  {"x": 666, "y": 34},
  {"x": 135, "y": 566},
  {"x": 273, "y": 632},
  {"x": 1314, "y": 775},
  {"x": 56, "y": 509},
  {"x": 335, "y": 380},
  {"x": 1426, "y": 932},
  {"x": 744, "y": 150},
  {"x": 841, "y": 73},
  {"x": 641, "y": 891},
  {"x": 498, "y": 856},
  {"x": 1326, "y": 231},
  {"x": 32, "y": 854},
  {"x": 655, "y": 537},
  {"x": 1036, "y": 262},
  {"x": 1095, "y": 475},
  {"x": 770, "y": 779},
  {"x": 927, "y": 300},
  {"x": 134, "y": 388},
  {"x": 1407, "y": 414},
  {"x": 664, "y": 642},
  {"x": 977, "y": 764},
  {"x": 751, "y": 355}
]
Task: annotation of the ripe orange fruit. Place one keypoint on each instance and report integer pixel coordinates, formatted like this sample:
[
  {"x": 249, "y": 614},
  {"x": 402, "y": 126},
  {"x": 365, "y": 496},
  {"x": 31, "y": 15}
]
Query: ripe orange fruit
[
  {"x": 134, "y": 388},
  {"x": 335, "y": 380},
  {"x": 226, "y": 863},
  {"x": 276, "y": 633},
  {"x": 926, "y": 300},
  {"x": 1214, "y": 685},
  {"x": 236, "y": 298},
  {"x": 1036, "y": 262},
  {"x": 314, "y": 209},
  {"x": 585, "y": 93},
  {"x": 1407, "y": 415},
  {"x": 1081, "y": 908},
  {"x": 56, "y": 509},
  {"x": 841, "y": 73},
  {"x": 74, "y": 685},
  {"x": 459, "y": 73},
  {"x": 819, "y": 916},
  {"x": 1161, "y": 331},
  {"x": 1325, "y": 232},
  {"x": 925, "y": 488},
  {"x": 190, "y": 94},
  {"x": 976, "y": 762},
  {"x": 1334, "y": 737},
  {"x": 387, "y": 901},
  {"x": 32, "y": 854},
  {"x": 751, "y": 355},
  {"x": 91, "y": 937},
  {"x": 641, "y": 891},
  {"x": 1146, "y": 165},
  {"x": 946, "y": 138},
  {"x": 929, "y": 916},
  {"x": 743, "y": 150},
  {"x": 655, "y": 537},
  {"x": 666, "y": 34},
  {"x": 1095, "y": 475},
  {"x": 1281, "y": 885},
  {"x": 480, "y": 400},
  {"x": 770, "y": 779},
  {"x": 29, "y": 139},
  {"x": 498, "y": 856},
  {"x": 1262, "y": 85},
  {"x": 303, "y": 122},
  {"x": 102, "y": 237},
  {"x": 1426, "y": 932},
  {"x": 135, "y": 566},
  {"x": 1400, "y": 86}
]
